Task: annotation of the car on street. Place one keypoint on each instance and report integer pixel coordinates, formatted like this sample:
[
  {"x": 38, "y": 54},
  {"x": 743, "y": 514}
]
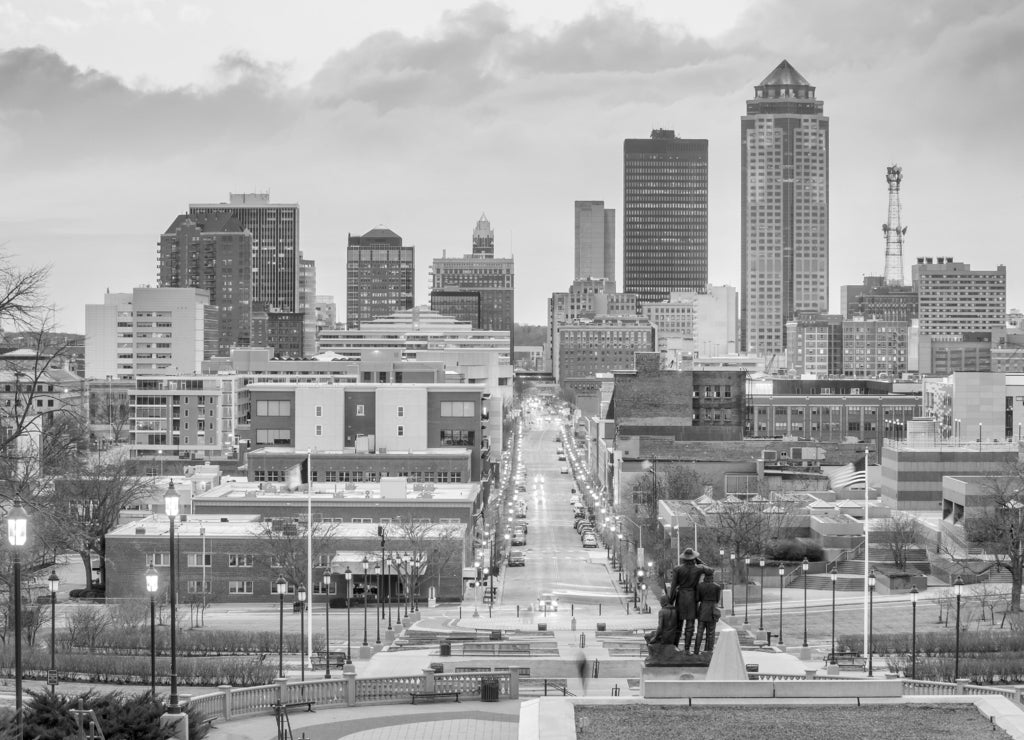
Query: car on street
[
  {"x": 547, "y": 603},
  {"x": 516, "y": 558},
  {"x": 565, "y": 471},
  {"x": 519, "y": 538},
  {"x": 589, "y": 540}
]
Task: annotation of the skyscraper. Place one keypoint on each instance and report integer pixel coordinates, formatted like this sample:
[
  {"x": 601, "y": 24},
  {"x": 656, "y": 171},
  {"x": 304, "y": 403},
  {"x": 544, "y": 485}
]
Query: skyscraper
[
  {"x": 380, "y": 276},
  {"x": 595, "y": 241},
  {"x": 784, "y": 209},
  {"x": 483, "y": 238},
  {"x": 665, "y": 221}
]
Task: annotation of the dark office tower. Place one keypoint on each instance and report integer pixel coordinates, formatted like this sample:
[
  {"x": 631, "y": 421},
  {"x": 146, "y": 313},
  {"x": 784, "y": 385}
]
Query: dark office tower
[
  {"x": 381, "y": 276},
  {"x": 214, "y": 253},
  {"x": 665, "y": 216},
  {"x": 483, "y": 238},
  {"x": 784, "y": 209},
  {"x": 594, "y": 253}
]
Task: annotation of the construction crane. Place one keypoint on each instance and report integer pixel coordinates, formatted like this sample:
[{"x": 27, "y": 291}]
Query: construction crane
[{"x": 893, "y": 229}]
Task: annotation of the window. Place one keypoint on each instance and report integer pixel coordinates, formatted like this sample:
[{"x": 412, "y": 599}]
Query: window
[
  {"x": 401, "y": 430},
  {"x": 360, "y": 410},
  {"x": 457, "y": 437},
  {"x": 196, "y": 560},
  {"x": 273, "y": 408},
  {"x": 401, "y": 411},
  {"x": 160, "y": 559},
  {"x": 458, "y": 408},
  {"x": 319, "y": 430},
  {"x": 237, "y": 560},
  {"x": 273, "y": 588},
  {"x": 198, "y": 587},
  {"x": 319, "y": 411},
  {"x": 239, "y": 587},
  {"x": 273, "y": 436},
  {"x": 362, "y": 520},
  {"x": 318, "y": 587}
]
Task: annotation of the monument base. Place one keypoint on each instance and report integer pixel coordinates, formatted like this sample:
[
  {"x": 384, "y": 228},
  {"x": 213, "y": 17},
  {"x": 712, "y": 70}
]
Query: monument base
[{"x": 671, "y": 656}]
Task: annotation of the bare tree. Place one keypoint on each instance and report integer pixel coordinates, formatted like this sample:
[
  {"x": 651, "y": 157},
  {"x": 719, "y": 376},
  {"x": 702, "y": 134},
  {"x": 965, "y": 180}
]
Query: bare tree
[
  {"x": 997, "y": 526},
  {"x": 748, "y": 526},
  {"x": 282, "y": 545},
  {"x": 434, "y": 545},
  {"x": 900, "y": 532}
]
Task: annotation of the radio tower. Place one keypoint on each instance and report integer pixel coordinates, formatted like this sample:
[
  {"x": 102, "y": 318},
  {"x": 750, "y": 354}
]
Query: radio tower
[{"x": 894, "y": 230}]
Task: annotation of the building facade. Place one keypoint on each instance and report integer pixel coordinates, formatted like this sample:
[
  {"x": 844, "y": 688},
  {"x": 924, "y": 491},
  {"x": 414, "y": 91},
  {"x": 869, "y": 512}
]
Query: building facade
[
  {"x": 694, "y": 323},
  {"x": 604, "y": 344},
  {"x": 594, "y": 249},
  {"x": 665, "y": 215},
  {"x": 784, "y": 160},
  {"x": 381, "y": 276},
  {"x": 814, "y": 344},
  {"x": 874, "y": 348}
]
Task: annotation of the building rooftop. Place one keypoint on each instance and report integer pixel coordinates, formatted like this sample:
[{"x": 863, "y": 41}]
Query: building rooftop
[
  {"x": 390, "y": 489},
  {"x": 785, "y": 75},
  {"x": 249, "y": 525}
]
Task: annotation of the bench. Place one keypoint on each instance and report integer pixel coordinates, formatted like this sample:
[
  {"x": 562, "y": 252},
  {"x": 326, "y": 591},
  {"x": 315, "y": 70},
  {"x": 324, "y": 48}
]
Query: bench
[
  {"x": 279, "y": 708},
  {"x": 849, "y": 660},
  {"x": 319, "y": 659},
  {"x": 433, "y": 695}
]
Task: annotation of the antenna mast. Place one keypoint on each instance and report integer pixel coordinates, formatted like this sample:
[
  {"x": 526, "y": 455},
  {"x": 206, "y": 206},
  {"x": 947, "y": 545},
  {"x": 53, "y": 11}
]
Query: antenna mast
[{"x": 894, "y": 230}]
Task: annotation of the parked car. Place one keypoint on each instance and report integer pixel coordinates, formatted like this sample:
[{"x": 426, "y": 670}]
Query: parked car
[
  {"x": 589, "y": 540},
  {"x": 519, "y": 538},
  {"x": 516, "y": 557},
  {"x": 565, "y": 471}
]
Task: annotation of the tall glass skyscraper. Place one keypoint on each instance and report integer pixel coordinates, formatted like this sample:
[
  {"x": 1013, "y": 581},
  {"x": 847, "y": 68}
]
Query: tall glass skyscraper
[
  {"x": 665, "y": 215},
  {"x": 784, "y": 209}
]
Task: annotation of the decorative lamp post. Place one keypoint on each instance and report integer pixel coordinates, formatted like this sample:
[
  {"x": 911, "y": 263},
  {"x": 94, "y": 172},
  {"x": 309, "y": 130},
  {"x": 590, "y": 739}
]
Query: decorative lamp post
[
  {"x": 834, "y": 576},
  {"x": 17, "y": 536},
  {"x": 871, "y": 622},
  {"x": 171, "y": 502},
  {"x": 732, "y": 579},
  {"x": 327, "y": 619},
  {"x": 958, "y": 591},
  {"x": 417, "y": 563},
  {"x": 913, "y": 633},
  {"x": 152, "y": 584},
  {"x": 721, "y": 564},
  {"x": 54, "y": 583},
  {"x": 782, "y": 575},
  {"x": 490, "y": 595},
  {"x": 805, "y": 565},
  {"x": 746, "y": 589},
  {"x": 300, "y": 594},
  {"x": 281, "y": 586},
  {"x": 760, "y": 625},
  {"x": 408, "y": 583},
  {"x": 348, "y": 612},
  {"x": 379, "y": 607},
  {"x": 366, "y": 594},
  {"x": 619, "y": 551}
]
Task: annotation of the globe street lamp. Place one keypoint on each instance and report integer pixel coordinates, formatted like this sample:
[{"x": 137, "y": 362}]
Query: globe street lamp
[
  {"x": 17, "y": 536},
  {"x": 834, "y": 576},
  {"x": 490, "y": 594},
  {"x": 327, "y": 619},
  {"x": 171, "y": 502},
  {"x": 408, "y": 584},
  {"x": 782, "y": 575},
  {"x": 348, "y": 611},
  {"x": 805, "y": 565},
  {"x": 300, "y": 594},
  {"x": 721, "y": 564},
  {"x": 378, "y": 607},
  {"x": 732, "y": 577},
  {"x": 281, "y": 586},
  {"x": 958, "y": 590},
  {"x": 746, "y": 589},
  {"x": 152, "y": 584},
  {"x": 760, "y": 625},
  {"x": 366, "y": 571},
  {"x": 871, "y": 621},
  {"x": 54, "y": 583},
  {"x": 913, "y": 633}
]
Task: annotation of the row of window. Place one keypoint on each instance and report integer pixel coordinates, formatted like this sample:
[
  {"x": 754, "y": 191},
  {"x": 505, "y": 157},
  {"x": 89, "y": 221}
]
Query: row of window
[{"x": 360, "y": 476}]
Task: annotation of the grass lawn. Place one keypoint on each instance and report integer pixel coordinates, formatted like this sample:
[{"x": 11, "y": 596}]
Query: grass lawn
[{"x": 822, "y": 722}]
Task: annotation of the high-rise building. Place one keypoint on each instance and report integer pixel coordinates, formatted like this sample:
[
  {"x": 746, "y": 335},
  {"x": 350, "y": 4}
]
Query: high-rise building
[
  {"x": 874, "y": 299},
  {"x": 307, "y": 304},
  {"x": 326, "y": 313},
  {"x": 784, "y": 209},
  {"x": 587, "y": 298},
  {"x": 381, "y": 276},
  {"x": 595, "y": 241},
  {"x": 814, "y": 344},
  {"x": 665, "y": 215},
  {"x": 605, "y": 344},
  {"x": 478, "y": 288},
  {"x": 212, "y": 252}
]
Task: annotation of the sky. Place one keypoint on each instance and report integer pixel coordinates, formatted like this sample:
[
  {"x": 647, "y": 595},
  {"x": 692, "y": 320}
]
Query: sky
[{"x": 116, "y": 114}]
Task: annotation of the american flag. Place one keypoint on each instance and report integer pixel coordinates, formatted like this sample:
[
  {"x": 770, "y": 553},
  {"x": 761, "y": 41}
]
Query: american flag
[{"x": 850, "y": 474}]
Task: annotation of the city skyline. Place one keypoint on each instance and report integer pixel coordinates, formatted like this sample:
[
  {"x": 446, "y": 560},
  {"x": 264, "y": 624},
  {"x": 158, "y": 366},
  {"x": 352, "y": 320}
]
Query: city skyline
[{"x": 535, "y": 104}]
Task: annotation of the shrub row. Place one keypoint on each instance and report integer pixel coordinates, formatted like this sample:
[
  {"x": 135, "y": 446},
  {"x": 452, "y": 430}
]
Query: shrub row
[
  {"x": 936, "y": 643},
  {"x": 983, "y": 669},
  {"x": 121, "y": 669},
  {"x": 189, "y": 642}
]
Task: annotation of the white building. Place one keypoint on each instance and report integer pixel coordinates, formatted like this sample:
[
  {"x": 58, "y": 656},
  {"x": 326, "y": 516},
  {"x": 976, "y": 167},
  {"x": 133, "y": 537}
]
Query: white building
[{"x": 692, "y": 323}]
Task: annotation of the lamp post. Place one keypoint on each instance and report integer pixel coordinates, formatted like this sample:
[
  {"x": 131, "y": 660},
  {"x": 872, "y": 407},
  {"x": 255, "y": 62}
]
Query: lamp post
[
  {"x": 760, "y": 625},
  {"x": 17, "y": 536},
  {"x": 366, "y": 592},
  {"x": 805, "y": 565},
  {"x": 348, "y": 612},
  {"x": 746, "y": 589},
  {"x": 327, "y": 619},
  {"x": 490, "y": 596},
  {"x": 152, "y": 584},
  {"x": 732, "y": 579},
  {"x": 378, "y": 607},
  {"x": 408, "y": 583},
  {"x": 417, "y": 563},
  {"x": 833, "y": 575},
  {"x": 281, "y": 586},
  {"x": 958, "y": 590},
  {"x": 782, "y": 575},
  {"x": 913, "y": 633},
  {"x": 171, "y": 502},
  {"x": 721, "y": 563},
  {"x": 300, "y": 593},
  {"x": 54, "y": 583},
  {"x": 871, "y": 622}
]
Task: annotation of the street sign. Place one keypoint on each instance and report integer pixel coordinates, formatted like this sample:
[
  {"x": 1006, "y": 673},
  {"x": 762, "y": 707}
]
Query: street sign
[{"x": 51, "y": 678}]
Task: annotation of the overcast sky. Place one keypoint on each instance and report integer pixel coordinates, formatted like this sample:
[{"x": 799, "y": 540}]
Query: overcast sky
[{"x": 115, "y": 114}]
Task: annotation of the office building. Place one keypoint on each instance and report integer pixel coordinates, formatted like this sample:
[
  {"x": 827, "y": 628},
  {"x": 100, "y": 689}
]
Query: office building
[
  {"x": 874, "y": 299},
  {"x": 695, "y": 324},
  {"x": 381, "y": 276},
  {"x": 874, "y": 348},
  {"x": 665, "y": 215},
  {"x": 307, "y": 305},
  {"x": 326, "y": 313},
  {"x": 594, "y": 253},
  {"x": 483, "y": 238},
  {"x": 585, "y": 348},
  {"x": 784, "y": 203},
  {"x": 587, "y": 298},
  {"x": 814, "y": 344}
]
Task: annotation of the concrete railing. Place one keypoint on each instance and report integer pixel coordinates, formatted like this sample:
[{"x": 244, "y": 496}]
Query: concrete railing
[{"x": 962, "y": 686}]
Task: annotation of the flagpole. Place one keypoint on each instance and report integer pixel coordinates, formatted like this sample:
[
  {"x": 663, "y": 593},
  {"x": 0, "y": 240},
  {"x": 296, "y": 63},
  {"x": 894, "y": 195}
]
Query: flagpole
[{"x": 867, "y": 552}]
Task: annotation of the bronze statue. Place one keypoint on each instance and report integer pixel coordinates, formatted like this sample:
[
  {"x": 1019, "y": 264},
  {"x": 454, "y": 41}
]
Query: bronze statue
[
  {"x": 661, "y": 643},
  {"x": 708, "y": 612},
  {"x": 667, "y": 632},
  {"x": 683, "y": 593}
]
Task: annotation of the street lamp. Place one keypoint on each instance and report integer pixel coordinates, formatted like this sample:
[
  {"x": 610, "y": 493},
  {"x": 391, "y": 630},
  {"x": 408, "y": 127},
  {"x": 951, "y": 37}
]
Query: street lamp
[
  {"x": 17, "y": 536},
  {"x": 54, "y": 583},
  {"x": 327, "y": 619},
  {"x": 871, "y": 621},
  {"x": 805, "y": 565},
  {"x": 171, "y": 502},
  {"x": 746, "y": 589},
  {"x": 348, "y": 612},
  {"x": 958, "y": 590},
  {"x": 408, "y": 584},
  {"x": 782, "y": 575},
  {"x": 913, "y": 633},
  {"x": 760, "y": 625},
  {"x": 281, "y": 586},
  {"x": 152, "y": 584},
  {"x": 721, "y": 564},
  {"x": 366, "y": 571},
  {"x": 379, "y": 607},
  {"x": 834, "y": 576},
  {"x": 490, "y": 594},
  {"x": 300, "y": 593},
  {"x": 732, "y": 578}
]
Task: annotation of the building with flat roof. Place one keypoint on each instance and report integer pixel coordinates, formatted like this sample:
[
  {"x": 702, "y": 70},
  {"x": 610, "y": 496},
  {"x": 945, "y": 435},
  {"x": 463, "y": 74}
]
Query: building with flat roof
[
  {"x": 594, "y": 246},
  {"x": 381, "y": 276},
  {"x": 606, "y": 343}
]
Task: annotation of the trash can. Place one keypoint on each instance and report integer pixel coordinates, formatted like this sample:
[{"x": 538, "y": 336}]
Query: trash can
[
  {"x": 601, "y": 626},
  {"x": 542, "y": 626},
  {"x": 490, "y": 689},
  {"x": 446, "y": 649},
  {"x": 496, "y": 635}
]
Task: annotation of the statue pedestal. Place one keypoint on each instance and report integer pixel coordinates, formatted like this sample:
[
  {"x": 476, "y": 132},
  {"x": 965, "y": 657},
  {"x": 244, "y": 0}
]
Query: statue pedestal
[{"x": 669, "y": 656}]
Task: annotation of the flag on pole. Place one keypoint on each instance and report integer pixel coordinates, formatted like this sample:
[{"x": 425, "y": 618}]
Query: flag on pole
[{"x": 850, "y": 474}]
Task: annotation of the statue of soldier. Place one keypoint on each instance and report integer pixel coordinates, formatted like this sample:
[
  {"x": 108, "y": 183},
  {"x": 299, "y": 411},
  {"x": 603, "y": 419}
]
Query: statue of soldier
[
  {"x": 683, "y": 593},
  {"x": 708, "y": 612}
]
